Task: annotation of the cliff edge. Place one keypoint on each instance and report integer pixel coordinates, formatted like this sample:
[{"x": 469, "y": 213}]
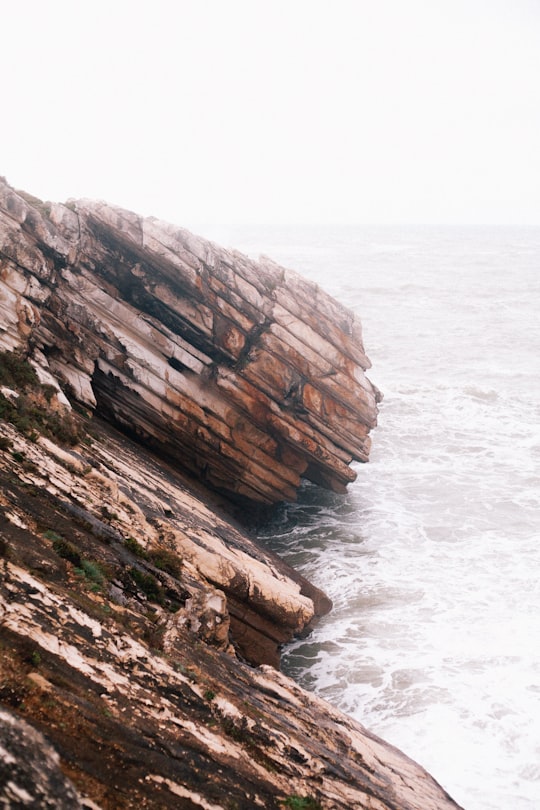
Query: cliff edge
[{"x": 145, "y": 375}]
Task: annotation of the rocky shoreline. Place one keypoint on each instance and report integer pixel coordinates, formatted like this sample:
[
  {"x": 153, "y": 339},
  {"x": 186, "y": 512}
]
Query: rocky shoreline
[{"x": 153, "y": 388}]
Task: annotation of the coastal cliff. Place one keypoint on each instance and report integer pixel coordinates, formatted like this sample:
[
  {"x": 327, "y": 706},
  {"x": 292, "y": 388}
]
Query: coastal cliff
[
  {"x": 153, "y": 385},
  {"x": 242, "y": 372}
]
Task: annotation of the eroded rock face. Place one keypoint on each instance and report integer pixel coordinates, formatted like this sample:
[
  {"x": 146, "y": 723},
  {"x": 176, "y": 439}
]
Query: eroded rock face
[
  {"x": 123, "y": 505},
  {"x": 241, "y": 372},
  {"x": 130, "y": 605},
  {"x": 140, "y": 691},
  {"x": 127, "y": 603},
  {"x": 30, "y": 775}
]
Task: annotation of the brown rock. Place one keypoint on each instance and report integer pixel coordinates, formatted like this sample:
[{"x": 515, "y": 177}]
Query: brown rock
[
  {"x": 244, "y": 373},
  {"x": 129, "y": 601}
]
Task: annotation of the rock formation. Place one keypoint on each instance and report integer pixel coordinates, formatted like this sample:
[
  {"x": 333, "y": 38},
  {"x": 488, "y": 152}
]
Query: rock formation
[
  {"x": 30, "y": 775},
  {"x": 126, "y": 607},
  {"x": 138, "y": 620},
  {"x": 242, "y": 372}
]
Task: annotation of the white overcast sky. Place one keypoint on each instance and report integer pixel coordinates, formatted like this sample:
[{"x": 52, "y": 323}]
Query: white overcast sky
[{"x": 283, "y": 111}]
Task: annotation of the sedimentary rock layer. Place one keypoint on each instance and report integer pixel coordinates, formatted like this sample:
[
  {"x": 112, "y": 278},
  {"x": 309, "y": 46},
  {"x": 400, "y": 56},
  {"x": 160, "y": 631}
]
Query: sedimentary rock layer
[
  {"x": 242, "y": 372},
  {"x": 120, "y": 493},
  {"x": 133, "y": 611},
  {"x": 133, "y": 671}
]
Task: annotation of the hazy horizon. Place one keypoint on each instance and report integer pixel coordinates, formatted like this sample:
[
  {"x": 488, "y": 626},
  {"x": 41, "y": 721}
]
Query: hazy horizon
[{"x": 245, "y": 112}]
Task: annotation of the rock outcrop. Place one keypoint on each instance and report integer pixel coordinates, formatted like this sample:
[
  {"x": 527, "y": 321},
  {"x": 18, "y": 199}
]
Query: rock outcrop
[
  {"x": 138, "y": 619},
  {"x": 124, "y": 505},
  {"x": 242, "y": 372},
  {"x": 127, "y": 604}
]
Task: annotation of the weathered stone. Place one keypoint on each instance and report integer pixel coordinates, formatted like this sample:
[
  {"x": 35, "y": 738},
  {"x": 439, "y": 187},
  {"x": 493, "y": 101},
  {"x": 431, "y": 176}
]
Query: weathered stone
[
  {"x": 148, "y": 708},
  {"x": 129, "y": 601},
  {"x": 140, "y": 729},
  {"x": 30, "y": 774},
  {"x": 239, "y": 371},
  {"x": 221, "y": 562}
]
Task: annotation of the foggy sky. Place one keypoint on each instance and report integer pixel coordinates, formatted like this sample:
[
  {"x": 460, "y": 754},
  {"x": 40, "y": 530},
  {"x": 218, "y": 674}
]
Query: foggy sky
[{"x": 305, "y": 111}]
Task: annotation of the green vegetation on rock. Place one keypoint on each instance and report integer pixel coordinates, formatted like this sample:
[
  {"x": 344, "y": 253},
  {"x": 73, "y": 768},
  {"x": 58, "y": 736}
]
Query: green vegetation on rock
[
  {"x": 301, "y": 803},
  {"x": 32, "y": 410}
]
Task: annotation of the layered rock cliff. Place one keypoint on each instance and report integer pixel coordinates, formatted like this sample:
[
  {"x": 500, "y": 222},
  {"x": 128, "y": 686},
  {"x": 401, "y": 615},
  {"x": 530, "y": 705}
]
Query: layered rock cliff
[
  {"x": 137, "y": 618},
  {"x": 242, "y": 372}
]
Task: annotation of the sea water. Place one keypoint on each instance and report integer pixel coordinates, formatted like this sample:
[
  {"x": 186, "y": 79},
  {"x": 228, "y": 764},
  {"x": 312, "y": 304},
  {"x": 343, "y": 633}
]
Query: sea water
[{"x": 432, "y": 558}]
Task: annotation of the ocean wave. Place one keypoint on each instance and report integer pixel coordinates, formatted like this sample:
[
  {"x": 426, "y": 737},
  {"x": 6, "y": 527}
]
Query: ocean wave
[
  {"x": 432, "y": 557},
  {"x": 477, "y": 393}
]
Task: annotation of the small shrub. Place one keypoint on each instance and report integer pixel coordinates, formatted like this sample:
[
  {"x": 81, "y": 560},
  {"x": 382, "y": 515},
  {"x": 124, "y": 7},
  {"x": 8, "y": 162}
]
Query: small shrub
[
  {"x": 32, "y": 416},
  {"x": 68, "y": 551},
  {"x": 17, "y": 456},
  {"x": 189, "y": 672},
  {"x": 49, "y": 391},
  {"x": 92, "y": 571},
  {"x": 30, "y": 466},
  {"x": 154, "y": 638},
  {"x": 34, "y": 412},
  {"x": 135, "y": 547},
  {"x": 209, "y": 695},
  {"x": 166, "y": 561},
  {"x": 61, "y": 425},
  {"x": 301, "y": 803},
  {"x": 237, "y": 730},
  {"x": 5, "y": 443},
  {"x": 107, "y": 514},
  {"x": 17, "y": 373},
  {"x": 50, "y": 535},
  {"x": 43, "y": 207},
  {"x": 147, "y": 583}
]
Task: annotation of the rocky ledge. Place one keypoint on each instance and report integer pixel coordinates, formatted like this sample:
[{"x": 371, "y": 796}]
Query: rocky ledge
[{"x": 148, "y": 379}]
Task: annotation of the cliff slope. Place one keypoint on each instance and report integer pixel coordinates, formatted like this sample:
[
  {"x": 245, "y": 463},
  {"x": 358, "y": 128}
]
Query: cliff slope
[{"x": 138, "y": 621}]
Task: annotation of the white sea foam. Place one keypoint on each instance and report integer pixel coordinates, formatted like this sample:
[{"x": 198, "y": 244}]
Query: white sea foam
[{"x": 433, "y": 556}]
